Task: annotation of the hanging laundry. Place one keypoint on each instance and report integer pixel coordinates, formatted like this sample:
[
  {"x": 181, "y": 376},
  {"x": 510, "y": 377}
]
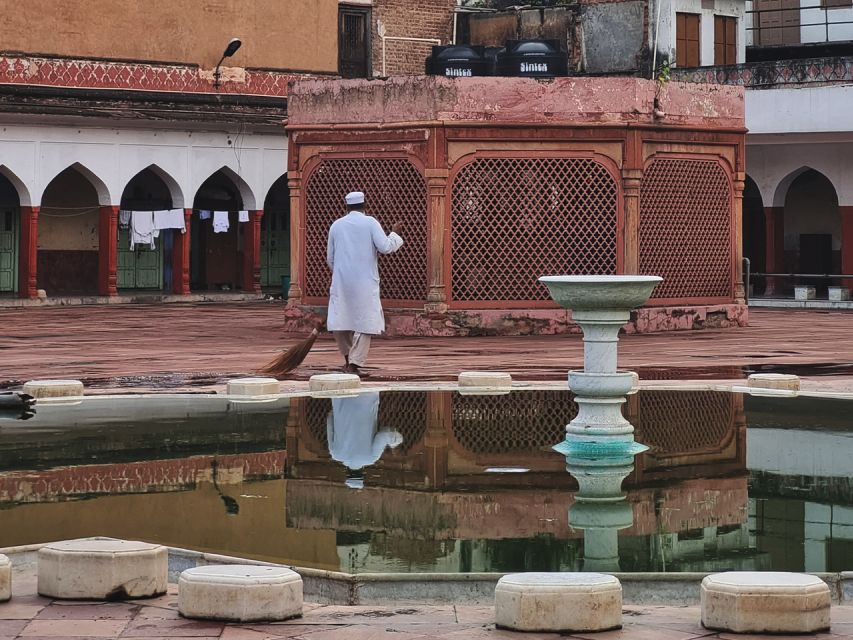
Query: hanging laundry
[
  {"x": 204, "y": 214},
  {"x": 170, "y": 219},
  {"x": 124, "y": 218},
  {"x": 142, "y": 230},
  {"x": 220, "y": 222},
  {"x": 242, "y": 216}
]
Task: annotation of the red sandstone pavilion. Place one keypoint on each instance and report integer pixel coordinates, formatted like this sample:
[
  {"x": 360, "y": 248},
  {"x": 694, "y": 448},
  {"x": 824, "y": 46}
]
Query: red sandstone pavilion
[{"x": 498, "y": 181}]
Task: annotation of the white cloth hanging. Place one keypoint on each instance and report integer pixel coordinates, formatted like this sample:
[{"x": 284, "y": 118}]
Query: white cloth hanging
[
  {"x": 220, "y": 222},
  {"x": 242, "y": 216},
  {"x": 204, "y": 214},
  {"x": 142, "y": 230},
  {"x": 170, "y": 219},
  {"x": 124, "y": 218}
]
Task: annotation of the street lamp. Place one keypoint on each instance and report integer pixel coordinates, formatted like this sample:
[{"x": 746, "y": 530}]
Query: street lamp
[{"x": 230, "y": 50}]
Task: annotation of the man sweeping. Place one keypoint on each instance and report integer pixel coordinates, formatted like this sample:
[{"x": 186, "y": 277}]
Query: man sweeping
[{"x": 355, "y": 312}]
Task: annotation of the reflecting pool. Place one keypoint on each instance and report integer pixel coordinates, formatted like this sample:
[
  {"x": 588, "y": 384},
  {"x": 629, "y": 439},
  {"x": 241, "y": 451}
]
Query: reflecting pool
[{"x": 438, "y": 481}]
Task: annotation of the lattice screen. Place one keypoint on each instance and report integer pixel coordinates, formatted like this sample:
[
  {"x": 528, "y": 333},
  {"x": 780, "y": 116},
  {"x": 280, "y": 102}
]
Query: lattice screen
[
  {"x": 684, "y": 422},
  {"x": 401, "y": 411},
  {"x": 515, "y": 423},
  {"x": 395, "y": 192},
  {"x": 515, "y": 219},
  {"x": 685, "y": 228}
]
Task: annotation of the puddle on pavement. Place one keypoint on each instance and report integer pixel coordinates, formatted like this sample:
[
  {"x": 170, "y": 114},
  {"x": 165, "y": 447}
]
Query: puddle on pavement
[{"x": 440, "y": 482}]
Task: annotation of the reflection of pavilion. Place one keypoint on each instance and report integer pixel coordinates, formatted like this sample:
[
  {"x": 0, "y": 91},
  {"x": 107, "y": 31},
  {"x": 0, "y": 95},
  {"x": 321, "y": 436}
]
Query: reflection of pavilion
[{"x": 434, "y": 490}]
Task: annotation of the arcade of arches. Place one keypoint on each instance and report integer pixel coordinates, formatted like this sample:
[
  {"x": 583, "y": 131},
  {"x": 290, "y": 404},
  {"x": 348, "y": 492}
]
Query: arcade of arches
[
  {"x": 73, "y": 244},
  {"x": 809, "y": 235}
]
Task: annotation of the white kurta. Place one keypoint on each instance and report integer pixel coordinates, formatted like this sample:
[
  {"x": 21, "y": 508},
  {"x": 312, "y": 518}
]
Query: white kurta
[
  {"x": 352, "y": 428},
  {"x": 354, "y": 243}
]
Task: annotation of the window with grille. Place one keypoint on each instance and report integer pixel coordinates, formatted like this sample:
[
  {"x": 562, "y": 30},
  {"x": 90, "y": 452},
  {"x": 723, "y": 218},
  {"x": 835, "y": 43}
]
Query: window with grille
[
  {"x": 725, "y": 40},
  {"x": 395, "y": 191},
  {"x": 687, "y": 39},
  {"x": 685, "y": 228},
  {"x": 353, "y": 42},
  {"x": 516, "y": 219}
]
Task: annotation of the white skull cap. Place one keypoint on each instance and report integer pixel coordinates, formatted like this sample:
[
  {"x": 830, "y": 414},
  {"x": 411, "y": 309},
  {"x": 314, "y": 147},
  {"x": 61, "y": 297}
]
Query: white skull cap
[{"x": 355, "y": 197}]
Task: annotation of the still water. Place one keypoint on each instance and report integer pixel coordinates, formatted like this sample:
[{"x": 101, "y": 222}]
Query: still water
[{"x": 437, "y": 481}]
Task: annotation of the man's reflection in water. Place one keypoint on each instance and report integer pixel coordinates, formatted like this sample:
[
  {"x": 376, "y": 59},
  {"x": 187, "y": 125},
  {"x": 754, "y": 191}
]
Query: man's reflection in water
[{"x": 352, "y": 428}]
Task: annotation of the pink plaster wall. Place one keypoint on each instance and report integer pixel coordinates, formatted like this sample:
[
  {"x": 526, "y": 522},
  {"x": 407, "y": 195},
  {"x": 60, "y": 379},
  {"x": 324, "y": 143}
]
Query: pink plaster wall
[{"x": 585, "y": 100}]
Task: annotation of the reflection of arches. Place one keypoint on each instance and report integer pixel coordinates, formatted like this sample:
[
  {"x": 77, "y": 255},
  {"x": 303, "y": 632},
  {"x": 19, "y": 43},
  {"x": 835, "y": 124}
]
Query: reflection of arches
[
  {"x": 754, "y": 230},
  {"x": 143, "y": 268},
  {"x": 275, "y": 236},
  {"x": 10, "y": 224},
  {"x": 812, "y": 226},
  {"x": 216, "y": 259},
  {"x": 68, "y": 232}
]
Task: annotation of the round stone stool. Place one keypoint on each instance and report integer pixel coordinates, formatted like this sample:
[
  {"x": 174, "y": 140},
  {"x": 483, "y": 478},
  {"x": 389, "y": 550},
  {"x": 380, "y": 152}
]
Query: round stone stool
[
  {"x": 334, "y": 382},
  {"x": 240, "y": 593},
  {"x": 102, "y": 569},
  {"x": 5, "y": 578},
  {"x": 558, "y": 602},
  {"x": 765, "y": 602},
  {"x": 785, "y": 381},
  {"x": 252, "y": 387},
  {"x": 42, "y": 389}
]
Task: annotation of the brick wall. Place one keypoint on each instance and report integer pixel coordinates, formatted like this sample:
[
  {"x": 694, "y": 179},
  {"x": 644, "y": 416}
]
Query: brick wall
[{"x": 404, "y": 18}]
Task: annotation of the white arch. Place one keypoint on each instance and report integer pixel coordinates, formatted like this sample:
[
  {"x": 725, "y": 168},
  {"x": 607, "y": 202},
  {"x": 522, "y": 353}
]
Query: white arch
[
  {"x": 785, "y": 183},
  {"x": 20, "y": 187},
  {"x": 104, "y": 197},
  {"x": 282, "y": 177},
  {"x": 175, "y": 192},
  {"x": 246, "y": 193}
]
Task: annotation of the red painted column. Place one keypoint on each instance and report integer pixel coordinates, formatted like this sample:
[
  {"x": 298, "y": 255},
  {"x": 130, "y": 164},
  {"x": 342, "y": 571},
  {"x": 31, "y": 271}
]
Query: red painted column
[
  {"x": 252, "y": 252},
  {"x": 107, "y": 251},
  {"x": 181, "y": 259},
  {"x": 774, "y": 230},
  {"x": 28, "y": 253},
  {"x": 846, "y": 214}
]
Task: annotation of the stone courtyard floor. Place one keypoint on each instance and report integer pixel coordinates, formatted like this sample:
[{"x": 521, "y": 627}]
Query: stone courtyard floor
[
  {"x": 199, "y": 346},
  {"x": 29, "y": 616}
]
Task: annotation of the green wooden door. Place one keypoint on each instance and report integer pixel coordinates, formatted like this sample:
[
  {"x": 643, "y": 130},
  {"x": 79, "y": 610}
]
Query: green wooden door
[
  {"x": 275, "y": 248},
  {"x": 9, "y": 250},
  {"x": 141, "y": 268}
]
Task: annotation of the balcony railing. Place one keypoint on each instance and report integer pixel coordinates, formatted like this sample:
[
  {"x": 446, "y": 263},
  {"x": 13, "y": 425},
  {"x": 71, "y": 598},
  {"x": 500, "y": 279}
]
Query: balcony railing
[{"x": 798, "y": 22}]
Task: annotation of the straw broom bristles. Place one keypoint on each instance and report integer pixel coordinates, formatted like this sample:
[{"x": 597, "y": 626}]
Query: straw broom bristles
[{"x": 290, "y": 359}]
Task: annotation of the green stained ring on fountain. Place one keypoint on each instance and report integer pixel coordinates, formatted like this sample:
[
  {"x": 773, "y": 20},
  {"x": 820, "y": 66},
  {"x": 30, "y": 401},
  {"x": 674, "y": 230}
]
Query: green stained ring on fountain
[
  {"x": 600, "y": 292},
  {"x": 600, "y": 448}
]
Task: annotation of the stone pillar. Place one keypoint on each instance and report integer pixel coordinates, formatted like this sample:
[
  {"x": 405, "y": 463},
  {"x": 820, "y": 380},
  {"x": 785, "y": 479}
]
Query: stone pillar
[
  {"x": 107, "y": 251},
  {"x": 846, "y": 213},
  {"x": 632, "y": 178},
  {"x": 439, "y": 412},
  {"x": 297, "y": 236},
  {"x": 438, "y": 221},
  {"x": 774, "y": 230},
  {"x": 181, "y": 258},
  {"x": 737, "y": 219},
  {"x": 252, "y": 252},
  {"x": 28, "y": 253}
]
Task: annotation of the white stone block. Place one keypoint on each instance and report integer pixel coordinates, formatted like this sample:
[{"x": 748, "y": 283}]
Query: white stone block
[
  {"x": 53, "y": 388},
  {"x": 334, "y": 382},
  {"x": 5, "y": 578},
  {"x": 102, "y": 569},
  {"x": 784, "y": 381},
  {"x": 804, "y": 293},
  {"x": 839, "y": 294},
  {"x": 765, "y": 602},
  {"x": 240, "y": 593},
  {"x": 490, "y": 379},
  {"x": 252, "y": 387},
  {"x": 558, "y": 602}
]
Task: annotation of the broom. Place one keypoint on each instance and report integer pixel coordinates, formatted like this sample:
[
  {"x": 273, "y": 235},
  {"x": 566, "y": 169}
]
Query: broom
[{"x": 291, "y": 358}]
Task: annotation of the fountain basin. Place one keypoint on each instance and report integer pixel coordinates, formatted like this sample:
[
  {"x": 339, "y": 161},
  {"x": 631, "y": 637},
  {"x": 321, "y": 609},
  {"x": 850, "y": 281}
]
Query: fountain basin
[
  {"x": 601, "y": 292},
  {"x": 600, "y": 385}
]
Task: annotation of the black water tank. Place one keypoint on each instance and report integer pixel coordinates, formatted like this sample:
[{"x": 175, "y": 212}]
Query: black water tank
[
  {"x": 533, "y": 59},
  {"x": 457, "y": 61}
]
